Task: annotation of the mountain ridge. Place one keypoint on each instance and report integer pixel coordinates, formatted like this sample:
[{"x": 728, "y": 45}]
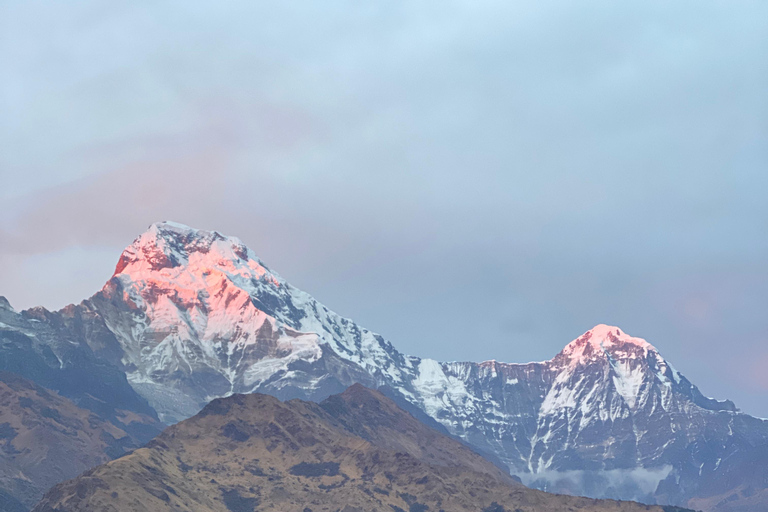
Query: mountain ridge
[
  {"x": 194, "y": 315},
  {"x": 248, "y": 452},
  {"x": 46, "y": 438}
]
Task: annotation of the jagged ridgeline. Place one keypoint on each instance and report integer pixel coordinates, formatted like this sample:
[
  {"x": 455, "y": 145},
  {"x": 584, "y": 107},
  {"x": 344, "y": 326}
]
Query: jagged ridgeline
[
  {"x": 354, "y": 452},
  {"x": 192, "y": 315}
]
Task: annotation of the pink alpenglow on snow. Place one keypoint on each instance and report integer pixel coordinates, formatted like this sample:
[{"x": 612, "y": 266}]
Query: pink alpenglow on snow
[{"x": 603, "y": 339}]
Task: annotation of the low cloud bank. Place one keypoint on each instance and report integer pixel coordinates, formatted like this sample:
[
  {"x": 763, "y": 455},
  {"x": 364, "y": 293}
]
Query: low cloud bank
[{"x": 637, "y": 484}]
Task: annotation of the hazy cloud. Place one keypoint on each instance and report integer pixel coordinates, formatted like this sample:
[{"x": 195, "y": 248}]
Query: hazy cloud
[{"x": 472, "y": 179}]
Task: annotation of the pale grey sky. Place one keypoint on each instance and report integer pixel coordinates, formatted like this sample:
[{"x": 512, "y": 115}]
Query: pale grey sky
[{"x": 474, "y": 180}]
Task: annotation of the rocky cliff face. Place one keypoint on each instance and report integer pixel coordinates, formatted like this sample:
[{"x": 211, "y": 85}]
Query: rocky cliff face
[
  {"x": 63, "y": 409},
  {"x": 355, "y": 452},
  {"x": 54, "y": 351},
  {"x": 191, "y": 315}
]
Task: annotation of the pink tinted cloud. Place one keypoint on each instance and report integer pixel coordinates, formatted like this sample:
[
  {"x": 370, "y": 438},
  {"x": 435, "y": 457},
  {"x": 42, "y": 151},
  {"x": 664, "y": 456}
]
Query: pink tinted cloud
[
  {"x": 759, "y": 371},
  {"x": 183, "y": 174},
  {"x": 102, "y": 209}
]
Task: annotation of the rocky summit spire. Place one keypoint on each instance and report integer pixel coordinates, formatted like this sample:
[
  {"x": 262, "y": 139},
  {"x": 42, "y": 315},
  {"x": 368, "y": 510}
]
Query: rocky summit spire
[
  {"x": 4, "y": 304},
  {"x": 170, "y": 244}
]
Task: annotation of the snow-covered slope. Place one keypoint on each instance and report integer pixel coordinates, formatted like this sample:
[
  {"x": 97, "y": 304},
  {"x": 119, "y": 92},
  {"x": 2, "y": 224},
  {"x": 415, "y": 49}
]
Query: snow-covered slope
[
  {"x": 608, "y": 416},
  {"x": 41, "y": 347},
  {"x": 199, "y": 313},
  {"x": 192, "y": 315}
]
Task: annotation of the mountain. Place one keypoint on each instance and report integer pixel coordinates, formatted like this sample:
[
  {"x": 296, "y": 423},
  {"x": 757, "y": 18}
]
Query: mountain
[
  {"x": 62, "y": 408},
  {"x": 197, "y": 312},
  {"x": 192, "y": 315},
  {"x": 45, "y": 439},
  {"x": 608, "y": 415},
  {"x": 379, "y": 420},
  {"x": 354, "y": 452},
  {"x": 50, "y": 350}
]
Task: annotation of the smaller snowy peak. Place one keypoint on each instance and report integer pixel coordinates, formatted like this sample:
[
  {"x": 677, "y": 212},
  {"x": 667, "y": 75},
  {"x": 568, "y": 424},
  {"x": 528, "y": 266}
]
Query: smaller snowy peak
[
  {"x": 605, "y": 339},
  {"x": 4, "y": 304}
]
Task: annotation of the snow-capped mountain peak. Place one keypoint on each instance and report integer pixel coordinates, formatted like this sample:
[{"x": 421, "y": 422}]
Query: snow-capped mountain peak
[
  {"x": 606, "y": 366},
  {"x": 602, "y": 341},
  {"x": 204, "y": 304},
  {"x": 170, "y": 245},
  {"x": 194, "y": 284},
  {"x": 4, "y": 304},
  {"x": 191, "y": 315}
]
